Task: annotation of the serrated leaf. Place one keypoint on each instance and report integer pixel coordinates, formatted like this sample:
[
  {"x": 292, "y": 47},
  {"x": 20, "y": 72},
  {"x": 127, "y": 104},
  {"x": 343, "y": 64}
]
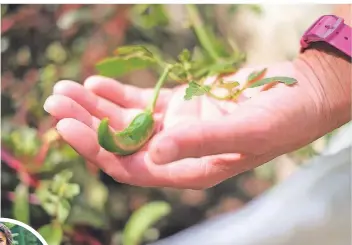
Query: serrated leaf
[
  {"x": 194, "y": 89},
  {"x": 285, "y": 80},
  {"x": 256, "y": 75},
  {"x": 142, "y": 219},
  {"x": 117, "y": 66},
  {"x": 21, "y": 203},
  {"x": 52, "y": 234}
]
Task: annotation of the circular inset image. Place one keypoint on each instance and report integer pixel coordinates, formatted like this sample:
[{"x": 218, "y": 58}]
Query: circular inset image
[{"x": 13, "y": 232}]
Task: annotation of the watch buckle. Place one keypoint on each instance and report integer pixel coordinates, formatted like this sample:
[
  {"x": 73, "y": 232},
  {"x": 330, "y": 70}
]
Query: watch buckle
[{"x": 331, "y": 29}]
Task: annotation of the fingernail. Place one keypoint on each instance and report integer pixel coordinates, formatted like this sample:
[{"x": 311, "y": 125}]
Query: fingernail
[
  {"x": 166, "y": 151},
  {"x": 63, "y": 125},
  {"x": 58, "y": 87},
  {"x": 48, "y": 104}
]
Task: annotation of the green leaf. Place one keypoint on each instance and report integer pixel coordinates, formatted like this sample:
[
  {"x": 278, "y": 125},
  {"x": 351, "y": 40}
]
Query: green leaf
[
  {"x": 47, "y": 199},
  {"x": 285, "y": 80},
  {"x": 194, "y": 89},
  {"x": 149, "y": 15},
  {"x": 256, "y": 74},
  {"x": 51, "y": 233},
  {"x": 21, "y": 204},
  {"x": 65, "y": 175},
  {"x": 22, "y": 141},
  {"x": 60, "y": 180},
  {"x": 142, "y": 219},
  {"x": 56, "y": 184},
  {"x": 117, "y": 66},
  {"x": 178, "y": 72},
  {"x": 229, "y": 85},
  {"x": 63, "y": 210},
  {"x": 83, "y": 214},
  {"x": 184, "y": 56},
  {"x": 96, "y": 194},
  {"x": 223, "y": 67},
  {"x": 133, "y": 50},
  {"x": 72, "y": 190},
  {"x": 49, "y": 207}
]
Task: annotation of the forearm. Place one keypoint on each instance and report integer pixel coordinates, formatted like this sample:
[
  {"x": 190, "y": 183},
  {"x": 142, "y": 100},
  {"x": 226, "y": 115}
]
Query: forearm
[{"x": 329, "y": 73}]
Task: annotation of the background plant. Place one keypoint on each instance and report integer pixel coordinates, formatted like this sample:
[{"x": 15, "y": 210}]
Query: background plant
[{"x": 42, "y": 44}]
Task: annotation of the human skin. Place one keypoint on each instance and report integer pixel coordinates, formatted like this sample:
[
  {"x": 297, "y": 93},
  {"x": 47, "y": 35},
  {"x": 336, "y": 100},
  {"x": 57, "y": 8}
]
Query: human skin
[
  {"x": 3, "y": 240},
  {"x": 203, "y": 142}
]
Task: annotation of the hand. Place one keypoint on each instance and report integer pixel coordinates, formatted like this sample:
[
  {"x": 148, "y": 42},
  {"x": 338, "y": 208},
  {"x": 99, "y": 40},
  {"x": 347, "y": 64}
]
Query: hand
[{"x": 199, "y": 143}]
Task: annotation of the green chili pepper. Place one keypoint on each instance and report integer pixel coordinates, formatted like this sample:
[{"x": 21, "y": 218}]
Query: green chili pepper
[{"x": 138, "y": 132}]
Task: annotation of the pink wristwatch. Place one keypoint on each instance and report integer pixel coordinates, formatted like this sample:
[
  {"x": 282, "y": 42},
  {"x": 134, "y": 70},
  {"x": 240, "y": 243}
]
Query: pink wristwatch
[{"x": 332, "y": 30}]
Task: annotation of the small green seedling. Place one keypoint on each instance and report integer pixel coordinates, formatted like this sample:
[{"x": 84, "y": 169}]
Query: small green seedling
[{"x": 189, "y": 68}]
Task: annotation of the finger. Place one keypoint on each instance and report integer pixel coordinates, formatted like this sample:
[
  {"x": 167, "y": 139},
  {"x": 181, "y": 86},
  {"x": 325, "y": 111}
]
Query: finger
[
  {"x": 92, "y": 168},
  {"x": 125, "y": 95},
  {"x": 81, "y": 137},
  {"x": 98, "y": 107},
  {"x": 193, "y": 173},
  {"x": 199, "y": 173},
  {"x": 60, "y": 107},
  {"x": 84, "y": 140},
  {"x": 241, "y": 134},
  {"x": 126, "y": 169},
  {"x": 138, "y": 169}
]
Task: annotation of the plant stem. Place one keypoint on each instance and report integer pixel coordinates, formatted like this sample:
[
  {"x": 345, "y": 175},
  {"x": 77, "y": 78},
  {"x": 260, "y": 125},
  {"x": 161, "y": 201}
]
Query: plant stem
[
  {"x": 157, "y": 88},
  {"x": 200, "y": 31}
]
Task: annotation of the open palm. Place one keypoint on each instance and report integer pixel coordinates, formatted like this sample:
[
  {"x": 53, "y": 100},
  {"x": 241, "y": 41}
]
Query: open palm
[{"x": 198, "y": 143}]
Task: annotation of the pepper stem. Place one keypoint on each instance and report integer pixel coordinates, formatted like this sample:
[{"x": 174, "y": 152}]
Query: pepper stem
[{"x": 157, "y": 88}]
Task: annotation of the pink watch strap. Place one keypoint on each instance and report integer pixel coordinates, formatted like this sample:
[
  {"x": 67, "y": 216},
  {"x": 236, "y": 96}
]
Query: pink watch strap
[
  {"x": 332, "y": 30},
  {"x": 343, "y": 40}
]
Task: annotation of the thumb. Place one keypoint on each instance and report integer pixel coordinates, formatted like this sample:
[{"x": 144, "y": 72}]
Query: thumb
[{"x": 228, "y": 134}]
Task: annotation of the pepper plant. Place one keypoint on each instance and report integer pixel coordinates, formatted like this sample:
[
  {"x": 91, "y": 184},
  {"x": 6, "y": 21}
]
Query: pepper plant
[{"x": 190, "y": 67}]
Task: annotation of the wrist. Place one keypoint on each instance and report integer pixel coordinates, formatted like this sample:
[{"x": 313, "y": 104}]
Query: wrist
[{"x": 328, "y": 74}]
